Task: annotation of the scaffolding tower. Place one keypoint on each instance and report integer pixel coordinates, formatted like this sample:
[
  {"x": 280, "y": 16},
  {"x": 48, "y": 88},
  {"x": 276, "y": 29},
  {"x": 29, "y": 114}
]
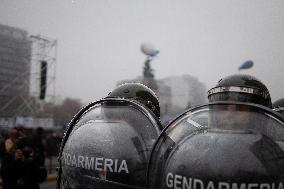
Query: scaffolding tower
[{"x": 44, "y": 49}]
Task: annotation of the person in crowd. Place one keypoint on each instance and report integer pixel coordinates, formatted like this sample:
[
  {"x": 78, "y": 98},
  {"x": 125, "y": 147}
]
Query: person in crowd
[
  {"x": 10, "y": 143},
  {"x": 39, "y": 145},
  {"x": 19, "y": 167}
]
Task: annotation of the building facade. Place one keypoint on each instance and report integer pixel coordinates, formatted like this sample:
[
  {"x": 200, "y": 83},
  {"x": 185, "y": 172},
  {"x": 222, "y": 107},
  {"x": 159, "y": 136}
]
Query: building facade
[
  {"x": 15, "y": 58},
  {"x": 176, "y": 94},
  {"x": 15, "y": 62}
]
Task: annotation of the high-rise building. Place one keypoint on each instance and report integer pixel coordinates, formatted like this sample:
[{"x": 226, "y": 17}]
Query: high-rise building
[
  {"x": 15, "y": 62},
  {"x": 15, "y": 59}
]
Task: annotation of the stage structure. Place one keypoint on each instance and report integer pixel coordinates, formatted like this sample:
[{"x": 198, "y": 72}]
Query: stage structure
[
  {"x": 43, "y": 68},
  {"x": 37, "y": 79}
]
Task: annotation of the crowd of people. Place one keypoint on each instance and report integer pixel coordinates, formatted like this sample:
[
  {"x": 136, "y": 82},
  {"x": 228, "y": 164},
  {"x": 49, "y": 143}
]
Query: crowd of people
[{"x": 23, "y": 153}]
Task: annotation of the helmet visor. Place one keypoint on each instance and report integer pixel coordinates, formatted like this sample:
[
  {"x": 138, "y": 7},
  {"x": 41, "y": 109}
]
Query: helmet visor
[{"x": 239, "y": 97}]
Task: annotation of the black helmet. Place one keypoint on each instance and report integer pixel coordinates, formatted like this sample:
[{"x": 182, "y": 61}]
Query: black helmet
[
  {"x": 139, "y": 92},
  {"x": 240, "y": 88},
  {"x": 278, "y": 103},
  {"x": 278, "y": 106},
  {"x": 107, "y": 145},
  {"x": 195, "y": 152}
]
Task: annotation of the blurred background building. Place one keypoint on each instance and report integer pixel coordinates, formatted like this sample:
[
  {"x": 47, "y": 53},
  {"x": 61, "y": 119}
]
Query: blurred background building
[
  {"x": 15, "y": 49},
  {"x": 176, "y": 93},
  {"x": 26, "y": 70},
  {"x": 27, "y": 83},
  {"x": 15, "y": 62}
]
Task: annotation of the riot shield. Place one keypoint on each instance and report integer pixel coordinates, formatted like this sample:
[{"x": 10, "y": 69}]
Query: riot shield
[
  {"x": 108, "y": 145},
  {"x": 223, "y": 145}
]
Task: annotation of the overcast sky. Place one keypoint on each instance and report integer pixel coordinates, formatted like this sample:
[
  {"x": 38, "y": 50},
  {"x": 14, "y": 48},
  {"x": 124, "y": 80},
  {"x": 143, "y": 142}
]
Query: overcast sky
[{"x": 99, "y": 40}]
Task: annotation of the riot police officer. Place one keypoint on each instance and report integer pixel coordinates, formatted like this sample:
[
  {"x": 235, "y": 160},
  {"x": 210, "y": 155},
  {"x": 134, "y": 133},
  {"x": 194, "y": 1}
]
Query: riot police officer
[
  {"x": 204, "y": 149},
  {"x": 194, "y": 152},
  {"x": 238, "y": 88},
  {"x": 108, "y": 143}
]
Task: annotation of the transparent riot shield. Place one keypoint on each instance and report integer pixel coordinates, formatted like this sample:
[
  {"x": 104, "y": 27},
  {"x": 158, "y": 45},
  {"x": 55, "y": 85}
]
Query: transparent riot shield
[
  {"x": 108, "y": 145},
  {"x": 220, "y": 146}
]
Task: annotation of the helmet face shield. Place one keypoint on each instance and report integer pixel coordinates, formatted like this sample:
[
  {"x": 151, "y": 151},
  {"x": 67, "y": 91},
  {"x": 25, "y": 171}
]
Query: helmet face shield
[
  {"x": 207, "y": 148},
  {"x": 109, "y": 147},
  {"x": 238, "y": 97}
]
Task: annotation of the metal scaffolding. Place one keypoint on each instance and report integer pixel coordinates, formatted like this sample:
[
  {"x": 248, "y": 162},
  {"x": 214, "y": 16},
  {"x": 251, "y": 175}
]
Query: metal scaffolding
[{"x": 42, "y": 49}]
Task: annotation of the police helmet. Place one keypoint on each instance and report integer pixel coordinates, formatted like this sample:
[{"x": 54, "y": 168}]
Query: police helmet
[
  {"x": 278, "y": 105},
  {"x": 107, "y": 145},
  {"x": 139, "y": 92},
  {"x": 195, "y": 153},
  {"x": 240, "y": 88}
]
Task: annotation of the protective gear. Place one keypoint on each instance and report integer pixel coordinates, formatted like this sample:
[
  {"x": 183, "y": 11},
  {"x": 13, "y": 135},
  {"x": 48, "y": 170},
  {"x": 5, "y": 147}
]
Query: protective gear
[
  {"x": 107, "y": 145},
  {"x": 240, "y": 88},
  {"x": 278, "y": 106},
  {"x": 139, "y": 92},
  {"x": 278, "y": 103},
  {"x": 199, "y": 150}
]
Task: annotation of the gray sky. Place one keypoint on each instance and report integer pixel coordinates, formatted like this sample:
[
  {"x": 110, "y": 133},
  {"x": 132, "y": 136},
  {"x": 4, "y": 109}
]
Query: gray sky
[{"x": 99, "y": 40}]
